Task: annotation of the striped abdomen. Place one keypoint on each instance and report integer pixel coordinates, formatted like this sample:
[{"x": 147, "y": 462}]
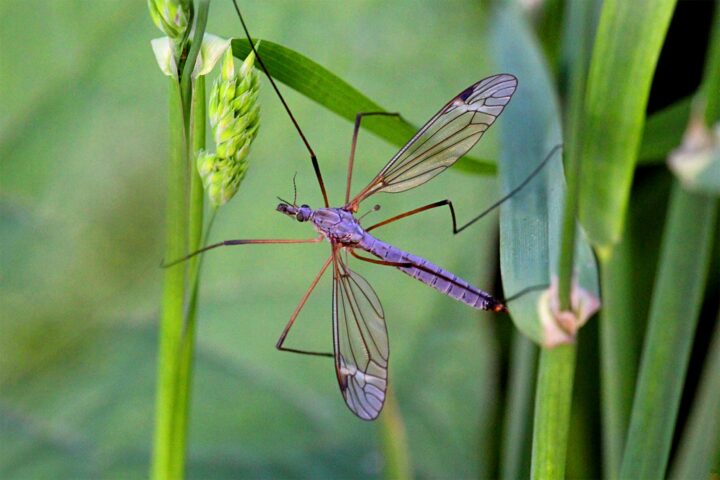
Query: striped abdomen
[{"x": 432, "y": 275}]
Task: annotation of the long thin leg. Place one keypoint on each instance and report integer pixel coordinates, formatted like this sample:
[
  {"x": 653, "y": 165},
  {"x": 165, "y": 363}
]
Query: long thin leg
[
  {"x": 418, "y": 210},
  {"x": 286, "y": 330},
  {"x": 227, "y": 243},
  {"x": 358, "y": 119},
  {"x": 313, "y": 158},
  {"x": 492, "y": 207}
]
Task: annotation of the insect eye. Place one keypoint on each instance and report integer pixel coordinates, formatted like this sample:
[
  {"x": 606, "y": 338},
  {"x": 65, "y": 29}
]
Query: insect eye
[{"x": 304, "y": 206}]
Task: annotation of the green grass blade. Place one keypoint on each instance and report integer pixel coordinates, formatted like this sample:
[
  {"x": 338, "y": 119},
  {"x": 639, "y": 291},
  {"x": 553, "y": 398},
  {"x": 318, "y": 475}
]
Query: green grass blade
[
  {"x": 187, "y": 339},
  {"x": 175, "y": 355},
  {"x": 530, "y": 223},
  {"x": 580, "y": 28},
  {"x": 617, "y": 92},
  {"x": 619, "y": 355},
  {"x": 711, "y": 76},
  {"x": 664, "y": 131},
  {"x": 530, "y": 228},
  {"x": 517, "y": 430},
  {"x": 396, "y": 454},
  {"x": 627, "y": 283},
  {"x": 324, "y": 87},
  {"x": 683, "y": 268},
  {"x": 552, "y": 412},
  {"x": 201, "y": 16},
  {"x": 701, "y": 442},
  {"x": 174, "y": 286},
  {"x": 677, "y": 299}
]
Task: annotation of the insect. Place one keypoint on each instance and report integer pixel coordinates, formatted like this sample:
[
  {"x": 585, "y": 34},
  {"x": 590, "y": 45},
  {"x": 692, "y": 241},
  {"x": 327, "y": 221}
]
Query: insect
[{"x": 360, "y": 339}]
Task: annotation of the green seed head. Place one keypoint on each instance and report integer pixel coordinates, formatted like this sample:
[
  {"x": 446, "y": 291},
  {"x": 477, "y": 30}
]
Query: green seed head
[
  {"x": 234, "y": 117},
  {"x": 171, "y": 16}
]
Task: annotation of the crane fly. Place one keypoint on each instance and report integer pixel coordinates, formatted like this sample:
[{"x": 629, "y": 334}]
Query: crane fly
[{"x": 360, "y": 339}]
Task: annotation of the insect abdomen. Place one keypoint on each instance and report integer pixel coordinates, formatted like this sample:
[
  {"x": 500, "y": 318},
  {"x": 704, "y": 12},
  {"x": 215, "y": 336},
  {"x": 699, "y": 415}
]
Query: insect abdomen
[{"x": 432, "y": 275}]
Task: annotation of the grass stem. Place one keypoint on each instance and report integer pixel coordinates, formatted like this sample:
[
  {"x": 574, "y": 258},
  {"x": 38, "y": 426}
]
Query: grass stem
[
  {"x": 515, "y": 450},
  {"x": 552, "y": 412},
  {"x": 195, "y": 237},
  {"x": 174, "y": 286},
  {"x": 396, "y": 453}
]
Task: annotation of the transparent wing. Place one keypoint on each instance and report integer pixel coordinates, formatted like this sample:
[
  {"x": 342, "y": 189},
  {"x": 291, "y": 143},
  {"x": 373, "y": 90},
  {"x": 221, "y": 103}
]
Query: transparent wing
[
  {"x": 445, "y": 137},
  {"x": 360, "y": 342}
]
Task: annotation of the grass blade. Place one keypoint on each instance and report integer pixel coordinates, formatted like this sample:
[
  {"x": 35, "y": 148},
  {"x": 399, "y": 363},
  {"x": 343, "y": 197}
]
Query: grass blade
[
  {"x": 530, "y": 229},
  {"x": 324, "y": 87},
  {"x": 552, "y": 411},
  {"x": 627, "y": 283},
  {"x": 394, "y": 441},
  {"x": 677, "y": 299},
  {"x": 617, "y": 92},
  {"x": 684, "y": 264},
  {"x": 517, "y": 431},
  {"x": 530, "y": 223},
  {"x": 175, "y": 354},
  {"x": 701, "y": 442},
  {"x": 186, "y": 350},
  {"x": 174, "y": 286},
  {"x": 663, "y": 132}
]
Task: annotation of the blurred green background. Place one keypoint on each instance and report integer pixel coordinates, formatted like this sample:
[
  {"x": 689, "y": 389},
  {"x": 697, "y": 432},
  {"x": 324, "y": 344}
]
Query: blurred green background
[{"x": 83, "y": 134}]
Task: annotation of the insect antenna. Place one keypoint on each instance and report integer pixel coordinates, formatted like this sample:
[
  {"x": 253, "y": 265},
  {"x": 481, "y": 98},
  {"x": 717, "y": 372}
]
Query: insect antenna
[
  {"x": 294, "y": 190},
  {"x": 313, "y": 157},
  {"x": 373, "y": 209},
  {"x": 514, "y": 190}
]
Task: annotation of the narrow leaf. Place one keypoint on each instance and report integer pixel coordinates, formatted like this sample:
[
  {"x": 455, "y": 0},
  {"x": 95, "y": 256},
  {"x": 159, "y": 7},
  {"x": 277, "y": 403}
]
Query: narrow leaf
[
  {"x": 627, "y": 282},
  {"x": 517, "y": 424},
  {"x": 324, "y": 87},
  {"x": 664, "y": 131},
  {"x": 530, "y": 222},
  {"x": 701, "y": 442},
  {"x": 176, "y": 226},
  {"x": 617, "y": 93},
  {"x": 684, "y": 263}
]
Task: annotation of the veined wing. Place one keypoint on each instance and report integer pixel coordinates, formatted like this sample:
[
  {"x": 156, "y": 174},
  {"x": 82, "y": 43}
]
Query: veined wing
[
  {"x": 445, "y": 138},
  {"x": 360, "y": 342}
]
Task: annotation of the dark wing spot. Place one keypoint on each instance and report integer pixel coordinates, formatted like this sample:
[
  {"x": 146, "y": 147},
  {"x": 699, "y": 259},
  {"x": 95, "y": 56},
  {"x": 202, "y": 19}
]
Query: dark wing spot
[{"x": 466, "y": 93}]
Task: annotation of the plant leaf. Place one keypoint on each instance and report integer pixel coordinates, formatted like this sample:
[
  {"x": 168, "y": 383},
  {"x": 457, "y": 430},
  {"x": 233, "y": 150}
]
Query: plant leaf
[
  {"x": 324, "y": 87},
  {"x": 701, "y": 440},
  {"x": 663, "y": 132},
  {"x": 617, "y": 92},
  {"x": 677, "y": 297},
  {"x": 530, "y": 223}
]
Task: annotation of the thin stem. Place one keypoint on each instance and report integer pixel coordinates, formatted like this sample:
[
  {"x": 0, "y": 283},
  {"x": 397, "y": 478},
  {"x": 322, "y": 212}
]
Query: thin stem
[
  {"x": 174, "y": 284},
  {"x": 187, "y": 340},
  {"x": 515, "y": 452},
  {"x": 186, "y": 80},
  {"x": 552, "y": 412},
  {"x": 553, "y": 398},
  {"x": 619, "y": 352},
  {"x": 711, "y": 76},
  {"x": 169, "y": 446},
  {"x": 396, "y": 452},
  {"x": 580, "y": 18}
]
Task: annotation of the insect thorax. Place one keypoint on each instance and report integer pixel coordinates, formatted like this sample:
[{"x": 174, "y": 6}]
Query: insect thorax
[{"x": 338, "y": 224}]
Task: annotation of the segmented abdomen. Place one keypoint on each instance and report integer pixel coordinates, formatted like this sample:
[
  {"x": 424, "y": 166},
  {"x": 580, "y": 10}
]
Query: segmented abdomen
[{"x": 432, "y": 275}]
